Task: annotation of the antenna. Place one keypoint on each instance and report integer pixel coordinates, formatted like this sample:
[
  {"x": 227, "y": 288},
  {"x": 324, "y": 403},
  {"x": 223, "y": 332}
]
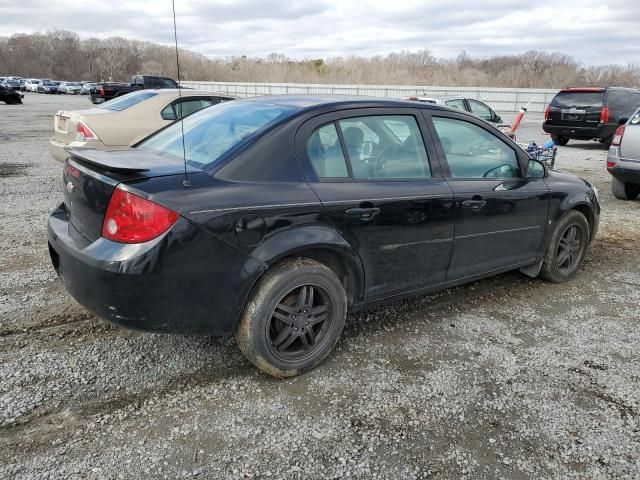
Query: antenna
[{"x": 185, "y": 183}]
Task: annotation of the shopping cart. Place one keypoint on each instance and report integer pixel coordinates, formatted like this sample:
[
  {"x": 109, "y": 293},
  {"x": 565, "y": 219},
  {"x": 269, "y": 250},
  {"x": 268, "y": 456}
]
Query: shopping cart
[{"x": 542, "y": 153}]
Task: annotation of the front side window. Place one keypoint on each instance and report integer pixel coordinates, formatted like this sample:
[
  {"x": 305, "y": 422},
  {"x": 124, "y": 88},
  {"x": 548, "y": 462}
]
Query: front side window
[
  {"x": 212, "y": 132},
  {"x": 473, "y": 152},
  {"x": 481, "y": 110}
]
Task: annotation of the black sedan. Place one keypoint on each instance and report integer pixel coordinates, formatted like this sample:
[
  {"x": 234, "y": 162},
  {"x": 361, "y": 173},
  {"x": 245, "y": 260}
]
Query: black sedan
[
  {"x": 290, "y": 211},
  {"x": 9, "y": 95}
]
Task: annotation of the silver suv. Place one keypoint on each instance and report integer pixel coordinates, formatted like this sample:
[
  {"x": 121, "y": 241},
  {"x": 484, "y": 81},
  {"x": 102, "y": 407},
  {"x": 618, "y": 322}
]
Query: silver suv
[{"x": 623, "y": 160}]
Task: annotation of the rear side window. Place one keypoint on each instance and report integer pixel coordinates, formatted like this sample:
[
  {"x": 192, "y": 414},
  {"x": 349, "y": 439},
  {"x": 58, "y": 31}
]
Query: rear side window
[
  {"x": 473, "y": 152},
  {"x": 127, "y": 101},
  {"x": 578, "y": 99},
  {"x": 325, "y": 153},
  {"x": 212, "y": 132},
  {"x": 385, "y": 147}
]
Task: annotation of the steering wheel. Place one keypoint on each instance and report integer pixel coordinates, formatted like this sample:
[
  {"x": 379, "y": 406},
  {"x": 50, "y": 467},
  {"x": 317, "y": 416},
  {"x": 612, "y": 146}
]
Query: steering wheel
[
  {"x": 506, "y": 170},
  {"x": 382, "y": 158}
]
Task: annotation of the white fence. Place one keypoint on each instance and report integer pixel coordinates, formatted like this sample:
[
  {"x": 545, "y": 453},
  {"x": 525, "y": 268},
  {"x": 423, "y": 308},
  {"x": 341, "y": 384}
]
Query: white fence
[{"x": 500, "y": 99}]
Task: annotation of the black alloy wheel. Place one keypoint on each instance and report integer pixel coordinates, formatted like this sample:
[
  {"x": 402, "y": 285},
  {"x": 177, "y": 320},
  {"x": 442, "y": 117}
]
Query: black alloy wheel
[
  {"x": 567, "y": 248},
  {"x": 293, "y": 317},
  {"x": 300, "y": 322}
]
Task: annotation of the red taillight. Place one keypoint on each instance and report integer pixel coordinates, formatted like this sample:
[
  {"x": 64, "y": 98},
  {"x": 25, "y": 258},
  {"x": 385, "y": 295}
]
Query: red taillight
[
  {"x": 101, "y": 91},
  {"x": 610, "y": 164},
  {"x": 547, "y": 113},
  {"x": 617, "y": 136},
  {"x": 604, "y": 114},
  {"x": 133, "y": 219},
  {"x": 84, "y": 133}
]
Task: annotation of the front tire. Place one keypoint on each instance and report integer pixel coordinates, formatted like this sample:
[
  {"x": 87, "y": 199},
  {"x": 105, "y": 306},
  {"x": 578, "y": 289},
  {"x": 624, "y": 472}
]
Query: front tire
[
  {"x": 566, "y": 249},
  {"x": 293, "y": 319},
  {"x": 558, "y": 140},
  {"x": 624, "y": 191}
]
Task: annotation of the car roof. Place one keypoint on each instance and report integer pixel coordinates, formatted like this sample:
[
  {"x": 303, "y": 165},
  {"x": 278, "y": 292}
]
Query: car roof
[
  {"x": 311, "y": 102},
  {"x": 186, "y": 91}
]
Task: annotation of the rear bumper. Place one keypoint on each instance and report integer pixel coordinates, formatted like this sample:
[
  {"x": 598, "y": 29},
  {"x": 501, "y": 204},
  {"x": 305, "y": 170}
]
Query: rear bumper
[
  {"x": 172, "y": 284},
  {"x": 601, "y": 131},
  {"x": 626, "y": 170}
]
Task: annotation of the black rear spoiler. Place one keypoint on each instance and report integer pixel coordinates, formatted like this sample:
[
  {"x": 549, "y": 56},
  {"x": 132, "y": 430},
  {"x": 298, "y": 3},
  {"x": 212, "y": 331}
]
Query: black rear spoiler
[{"x": 129, "y": 160}]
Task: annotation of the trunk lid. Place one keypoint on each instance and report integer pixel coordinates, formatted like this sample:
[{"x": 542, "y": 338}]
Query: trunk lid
[
  {"x": 64, "y": 123},
  {"x": 576, "y": 107},
  {"x": 90, "y": 176}
]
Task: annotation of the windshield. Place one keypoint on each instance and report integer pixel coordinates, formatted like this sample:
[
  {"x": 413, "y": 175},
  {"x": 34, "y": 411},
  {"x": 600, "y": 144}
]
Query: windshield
[
  {"x": 213, "y": 131},
  {"x": 47, "y": 82},
  {"x": 125, "y": 101},
  {"x": 72, "y": 84},
  {"x": 578, "y": 99}
]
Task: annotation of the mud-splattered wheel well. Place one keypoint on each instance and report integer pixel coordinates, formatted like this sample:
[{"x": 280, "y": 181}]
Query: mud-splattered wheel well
[{"x": 336, "y": 263}]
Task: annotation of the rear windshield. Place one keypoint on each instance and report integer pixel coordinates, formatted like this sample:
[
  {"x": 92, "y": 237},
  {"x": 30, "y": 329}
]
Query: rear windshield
[
  {"x": 47, "y": 82},
  {"x": 126, "y": 101},
  {"x": 578, "y": 99},
  {"x": 213, "y": 131}
]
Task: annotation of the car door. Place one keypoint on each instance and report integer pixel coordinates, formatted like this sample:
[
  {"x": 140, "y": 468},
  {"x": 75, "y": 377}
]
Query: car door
[
  {"x": 501, "y": 215},
  {"x": 382, "y": 188}
]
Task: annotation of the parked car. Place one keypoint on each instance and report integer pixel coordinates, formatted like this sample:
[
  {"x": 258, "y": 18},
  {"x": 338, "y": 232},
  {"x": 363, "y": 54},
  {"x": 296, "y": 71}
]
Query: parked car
[
  {"x": 623, "y": 160},
  {"x": 13, "y": 83},
  {"x": 589, "y": 113},
  {"x": 46, "y": 86},
  {"x": 125, "y": 120},
  {"x": 70, "y": 88},
  {"x": 104, "y": 92},
  {"x": 30, "y": 85},
  {"x": 465, "y": 104},
  {"x": 9, "y": 95},
  {"x": 86, "y": 88},
  {"x": 286, "y": 212}
]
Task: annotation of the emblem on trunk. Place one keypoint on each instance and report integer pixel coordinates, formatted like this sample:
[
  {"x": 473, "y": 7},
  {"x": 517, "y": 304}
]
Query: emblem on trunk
[{"x": 70, "y": 187}]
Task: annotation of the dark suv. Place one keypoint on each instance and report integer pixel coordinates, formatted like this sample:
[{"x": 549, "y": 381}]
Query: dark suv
[{"x": 589, "y": 113}]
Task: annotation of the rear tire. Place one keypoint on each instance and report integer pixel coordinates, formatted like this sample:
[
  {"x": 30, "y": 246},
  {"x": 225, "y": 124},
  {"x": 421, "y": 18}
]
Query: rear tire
[
  {"x": 567, "y": 248},
  {"x": 624, "y": 191},
  {"x": 293, "y": 318},
  {"x": 558, "y": 140}
]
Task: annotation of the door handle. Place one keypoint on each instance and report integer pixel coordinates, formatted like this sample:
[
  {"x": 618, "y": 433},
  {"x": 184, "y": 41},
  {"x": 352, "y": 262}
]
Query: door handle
[
  {"x": 365, "y": 214},
  {"x": 474, "y": 205}
]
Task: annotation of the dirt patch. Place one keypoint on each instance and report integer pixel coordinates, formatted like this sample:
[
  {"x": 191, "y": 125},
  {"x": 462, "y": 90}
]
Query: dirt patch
[{"x": 12, "y": 169}]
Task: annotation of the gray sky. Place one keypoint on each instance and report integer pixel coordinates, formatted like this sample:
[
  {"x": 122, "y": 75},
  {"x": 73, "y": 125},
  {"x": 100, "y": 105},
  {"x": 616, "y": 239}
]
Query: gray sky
[{"x": 593, "y": 31}]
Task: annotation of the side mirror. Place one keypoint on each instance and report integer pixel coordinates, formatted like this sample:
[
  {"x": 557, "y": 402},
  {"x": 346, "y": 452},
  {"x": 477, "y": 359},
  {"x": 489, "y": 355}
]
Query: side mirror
[{"x": 536, "y": 169}]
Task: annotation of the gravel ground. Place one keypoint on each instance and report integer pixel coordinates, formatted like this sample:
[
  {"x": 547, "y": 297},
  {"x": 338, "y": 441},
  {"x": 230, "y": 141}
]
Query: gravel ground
[{"x": 506, "y": 378}]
